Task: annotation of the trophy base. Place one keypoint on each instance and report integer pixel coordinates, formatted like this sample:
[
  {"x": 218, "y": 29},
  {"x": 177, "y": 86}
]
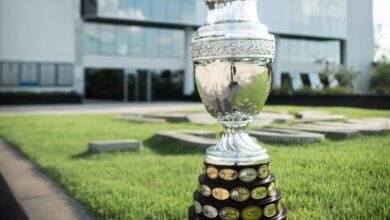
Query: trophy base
[
  {"x": 231, "y": 192},
  {"x": 193, "y": 216}
]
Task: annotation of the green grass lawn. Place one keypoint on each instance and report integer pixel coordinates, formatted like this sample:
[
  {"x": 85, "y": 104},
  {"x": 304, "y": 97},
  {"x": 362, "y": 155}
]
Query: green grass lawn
[{"x": 347, "y": 179}]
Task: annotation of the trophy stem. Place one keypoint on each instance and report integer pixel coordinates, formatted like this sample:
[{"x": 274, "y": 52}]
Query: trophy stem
[{"x": 236, "y": 147}]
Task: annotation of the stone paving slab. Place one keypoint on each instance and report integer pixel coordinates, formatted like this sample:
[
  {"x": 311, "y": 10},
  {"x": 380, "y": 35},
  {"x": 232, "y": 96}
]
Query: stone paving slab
[
  {"x": 312, "y": 115},
  {"x": 329, "y": 132},
  {"x": 383, "y": 123},
  {"x": 261, "y": 122},
  {"x": 201, "y": 133},
  {"x": 186, "y": 139},
  {"x": 169, "y": 117},
  {"x": 275, "y": 116},
  {"x": 363, "y": 128},
  {"x": 286, "y": 136},
  {"x": 275, "y": 111},
  {"x": 202, "y": 118},
  {"x": 100, "y": 108},
  {"x": 113, "y": 145},
  {"x": 140, "y": 118},
  {"x": 38, "y": 196}
]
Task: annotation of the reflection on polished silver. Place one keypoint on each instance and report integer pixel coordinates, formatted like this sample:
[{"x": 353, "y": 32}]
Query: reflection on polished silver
[
  {"x": 227, "y": 48},
  {"x": 270, "y": 210},
  {"x": 197, "y": 207},
  {"x": 205, "y": 191},
  {"x": 272, "y": 189},
  {"x": 239, "y": 194},
  {"x": 229, "y": 213},
  {"x": 263, "y": 171},
  {"x": 212, "y": 172},
  {"x": 228, "y": 174},
  {"x": 233, "y": 56},
  {"x": 248, "y": 174},
  {"x": 209, "y": 211}
]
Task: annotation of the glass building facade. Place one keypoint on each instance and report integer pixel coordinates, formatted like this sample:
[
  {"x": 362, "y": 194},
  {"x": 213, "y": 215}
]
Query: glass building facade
[
  {"x": 319, "y": 17},
  {"x": 144, "y": 44},
  {"x": 133, "y": 41},
  {"x": 31, "y": 74},
  {"x": 316, "y": 36},
  {"x": 176, "y": 11},
  {"x": 310, "y": 51}
]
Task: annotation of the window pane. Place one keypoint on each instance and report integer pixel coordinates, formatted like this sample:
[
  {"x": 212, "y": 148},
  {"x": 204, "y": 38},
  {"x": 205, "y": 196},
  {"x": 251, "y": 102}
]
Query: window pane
[
  {"x": 143, "y": 9},
  {"x": 65, "y": 74},
  {"x": 309, "y": 51},
  {"x": 107, "y": 39},
  {"x": 165, "y": 42},
  {"x": 134, "y": 41},
  {"x": 174, "y": 9},
  {"x": 29, "y": 74},
  {"x": 319, "y": 17},
  {"x": 188, "y": 14},
  {"x": 178, "y": 43},
  {"x": 10, "y": 74},
  {"x": 47, "y": 74},
  {"x": 122, "y": 46},
  {"x": 137, "y": 40},
  {"x": 160, "y": 10},
  {"x": 91, "y": 39},
  {"x": 151, "y": 37}
]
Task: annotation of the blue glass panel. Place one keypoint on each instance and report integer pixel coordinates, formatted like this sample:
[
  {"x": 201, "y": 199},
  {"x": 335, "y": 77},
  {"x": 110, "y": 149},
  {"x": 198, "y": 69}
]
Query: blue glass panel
[
  {"x": 91, "y": 39},
  {"x": 309, "y": 51},
  {"x": 107, "y": 39},
  {"x": 319, "y": 17},
  {"x": 137, "y": 40},
  {"x": 177, "y": 11},
  {"x": 188, "y": 8},
  {"x": 133, "y": 41},
  {"x": 151, "y": 37},
  {"x": 122, "y": 41}
]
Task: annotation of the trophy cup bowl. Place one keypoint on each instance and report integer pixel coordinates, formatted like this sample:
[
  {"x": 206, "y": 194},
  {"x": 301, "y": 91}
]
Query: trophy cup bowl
[{"x": 232, "y": 57}]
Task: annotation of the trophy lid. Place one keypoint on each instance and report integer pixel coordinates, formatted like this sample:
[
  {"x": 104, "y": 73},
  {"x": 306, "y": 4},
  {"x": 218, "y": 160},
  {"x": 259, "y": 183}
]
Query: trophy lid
[
  {"x": 232, "y": 29},
  {"x": 233, "y": 18}
]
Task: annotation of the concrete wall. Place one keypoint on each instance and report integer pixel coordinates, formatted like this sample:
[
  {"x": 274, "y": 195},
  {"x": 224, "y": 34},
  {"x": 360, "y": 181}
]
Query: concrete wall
[
  {"x": 360, "y": 43},
  {"x": 276, "y": 15},
  {"x": 37, "y": 30}
]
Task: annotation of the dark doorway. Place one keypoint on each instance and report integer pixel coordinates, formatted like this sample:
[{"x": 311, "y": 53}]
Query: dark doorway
[
  {"x": 137, "y": 85},
  {"x": 167, "y": 85},
  {"x": 131, "y": 85},
  {"x": 104, "y": 84}
]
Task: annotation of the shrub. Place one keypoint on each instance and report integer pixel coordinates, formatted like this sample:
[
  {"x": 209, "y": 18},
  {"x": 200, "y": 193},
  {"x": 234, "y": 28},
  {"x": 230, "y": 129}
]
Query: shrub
[
  {"x": 380, "y": 81},
  {"x": 344, "y": 76}
]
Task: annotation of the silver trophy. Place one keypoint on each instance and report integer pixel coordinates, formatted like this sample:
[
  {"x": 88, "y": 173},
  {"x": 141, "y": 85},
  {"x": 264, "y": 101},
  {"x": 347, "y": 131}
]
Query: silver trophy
[{"x": 232, "y": 57}]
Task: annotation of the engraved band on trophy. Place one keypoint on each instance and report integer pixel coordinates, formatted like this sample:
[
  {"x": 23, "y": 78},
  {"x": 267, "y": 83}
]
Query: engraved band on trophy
[{"x": 232, "y": 57}]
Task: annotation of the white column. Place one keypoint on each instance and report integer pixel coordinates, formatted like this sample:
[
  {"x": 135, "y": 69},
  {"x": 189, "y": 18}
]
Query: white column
[
  {"x": 125, "y": 87},
  {"x": 79, "y": 70},
  {"x": 277, "y": 76},
  {"x": 188, "y": 84},
  {"x": 149, "y": 86}
]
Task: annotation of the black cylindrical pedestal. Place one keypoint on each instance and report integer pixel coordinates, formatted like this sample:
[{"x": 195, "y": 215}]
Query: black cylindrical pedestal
[{"x": 237, "y": 192}]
